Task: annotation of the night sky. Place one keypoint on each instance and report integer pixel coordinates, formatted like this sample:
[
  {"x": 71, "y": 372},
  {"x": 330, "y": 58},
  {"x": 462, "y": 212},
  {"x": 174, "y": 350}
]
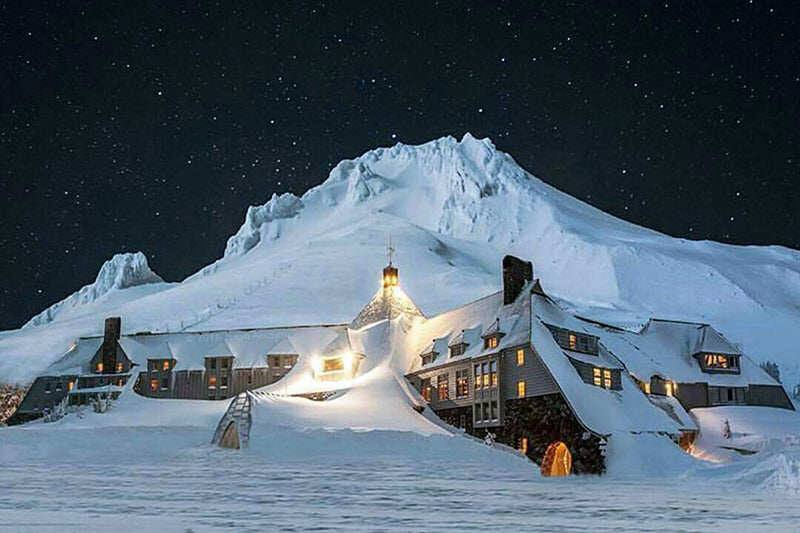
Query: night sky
[{"x": 124, "y": 128}]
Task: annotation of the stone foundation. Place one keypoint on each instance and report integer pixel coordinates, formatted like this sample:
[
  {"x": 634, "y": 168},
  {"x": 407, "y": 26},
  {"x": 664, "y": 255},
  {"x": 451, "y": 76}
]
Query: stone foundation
[{"x": 460, "y": 417}]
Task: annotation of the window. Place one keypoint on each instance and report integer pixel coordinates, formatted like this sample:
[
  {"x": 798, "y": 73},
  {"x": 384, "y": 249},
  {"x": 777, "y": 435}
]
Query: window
[
  {"x": 478, "y": 377},
  {"x": 223, "y": 381},
  {"x": 444, "y": 387},
  {"x": 607, "y": 379},
  {"x": 119, "y": 368},
  {"x": 597, "y": 375},
  {"x": 153, "y": 383},
  {"x": 426, "y": 390},
  {"x": 427, "y": 358},
  {"x": 520, "y": 357},
  {"x": 70, "y": 385},
  {"x": 485, "y": 372},
  {"x": 164, "y": 383},
  {"x": 457, "y": 349},
  {"x": 333, "y": 365},
  {"x": 212, "y": 363},
  {"x": 493, "y": 373},
  {"x": 520, "y": 389},
  {"x": 58, "y": 386},
  {"x": 601, "y": 377},
  {"x": 490, "y": 342},
  {"x": 720, "y": 362},
  {"x": 99, "y": 368},
  {"x": 224, "y": 363},
  {"x": 573, "y": 342},
  {"x": 523, "y": 445},
  {"x": 462, "y": 383},
  {"x": 493, "y": 412},
  {"x": 47, "y": 388},
  {"x": 212, "y": 382},
  {"x": 165, "y": 365}
]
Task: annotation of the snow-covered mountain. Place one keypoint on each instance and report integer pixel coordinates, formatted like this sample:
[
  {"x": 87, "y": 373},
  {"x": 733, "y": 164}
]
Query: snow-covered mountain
[
  {"x": 123, "y": 271},
  {"x": 453, "y": 209}
]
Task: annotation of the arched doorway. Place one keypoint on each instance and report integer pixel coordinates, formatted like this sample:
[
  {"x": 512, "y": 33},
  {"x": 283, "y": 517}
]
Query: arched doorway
[
  {"x": 230, "y": 439},
  {"x": 557, "y": 460}
]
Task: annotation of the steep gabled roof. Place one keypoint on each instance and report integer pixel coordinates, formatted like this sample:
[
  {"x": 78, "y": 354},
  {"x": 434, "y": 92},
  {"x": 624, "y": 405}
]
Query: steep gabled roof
[{"x": 387, "y": 303}]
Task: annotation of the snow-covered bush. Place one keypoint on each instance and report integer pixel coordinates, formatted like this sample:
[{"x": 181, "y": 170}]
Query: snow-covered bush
[{"x": 772, "y": 368}]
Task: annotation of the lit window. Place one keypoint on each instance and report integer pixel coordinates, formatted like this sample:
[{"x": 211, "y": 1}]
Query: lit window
[
  {"x": 485, "y": 372},
  {"x": 478, "y": 377},
  {"x": 520, "y": 357},
  {"x": 99, "y": 367},
  {"x": 426, "y": 390},
  {"x": 119, "y": 368},
  {"x": 153, "y": 383},
  {"x": 70, "y": 385},
  {"x": 212, "y": 382},
  {"x": 607, "y": 379},
  {"x": 668, "y": 386},
  {"x": 523, "y": 445},
  {"x": 444, "y": 387},
  {"x": 462, "y": 383},
  {"x": 647, "y": 388},
  {"x": 573, "y": 341},
  {"x": 520, "y": 389},
  {"x": 165, "y": 365},
  {"x": 597, "y": 375},
  {"x": 333, "y": 365},
  {"x": 493, "y": 373},
  {"x": 719, "y": 361},
  {"x": 490, "y": 342}
]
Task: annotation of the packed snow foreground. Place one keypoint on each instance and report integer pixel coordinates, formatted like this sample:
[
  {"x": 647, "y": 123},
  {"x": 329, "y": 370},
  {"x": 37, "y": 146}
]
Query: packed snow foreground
[{"x": 564, "y": 373}]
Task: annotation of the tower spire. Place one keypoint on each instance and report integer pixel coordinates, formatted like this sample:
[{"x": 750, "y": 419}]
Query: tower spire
[
  {"x": 390, "y": 251},
  {"x": 390, "y": 271}
]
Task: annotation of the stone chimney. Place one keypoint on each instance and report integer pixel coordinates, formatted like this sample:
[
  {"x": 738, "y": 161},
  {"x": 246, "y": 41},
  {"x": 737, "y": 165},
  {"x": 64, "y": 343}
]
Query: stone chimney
[
  {"x": 516, "y": 273},
  {"x": 110, "y": 337}
]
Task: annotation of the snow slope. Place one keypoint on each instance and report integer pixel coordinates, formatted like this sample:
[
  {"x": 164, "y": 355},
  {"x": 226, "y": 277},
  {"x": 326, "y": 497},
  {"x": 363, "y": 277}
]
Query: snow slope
[{"x": 453, "y": 209}]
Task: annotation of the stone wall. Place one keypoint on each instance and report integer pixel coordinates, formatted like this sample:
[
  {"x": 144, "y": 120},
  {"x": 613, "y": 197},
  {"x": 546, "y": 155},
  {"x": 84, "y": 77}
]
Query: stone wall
[
  {"x": 544, "y": 420},
  {"x": 456, "y": 416}
]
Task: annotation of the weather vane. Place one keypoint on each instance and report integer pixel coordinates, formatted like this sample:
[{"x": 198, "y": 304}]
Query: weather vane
[{"x": 390, "y": 251}]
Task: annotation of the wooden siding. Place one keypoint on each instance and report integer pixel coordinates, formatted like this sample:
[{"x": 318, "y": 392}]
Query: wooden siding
[
  {"x": 769, "y": 395},
  {"x": 692, "y": 395},
  {"x": 538, "y": 380}
]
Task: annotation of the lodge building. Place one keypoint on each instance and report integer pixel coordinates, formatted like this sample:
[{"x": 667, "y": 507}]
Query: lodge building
[{"x": 513, "y": 364}]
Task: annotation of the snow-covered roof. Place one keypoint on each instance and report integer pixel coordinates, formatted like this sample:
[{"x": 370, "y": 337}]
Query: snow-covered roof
[
  {"x": 248, "y": 347},
  {"x": 387, "y": 303},
  {"x": 465, "y": 324}
]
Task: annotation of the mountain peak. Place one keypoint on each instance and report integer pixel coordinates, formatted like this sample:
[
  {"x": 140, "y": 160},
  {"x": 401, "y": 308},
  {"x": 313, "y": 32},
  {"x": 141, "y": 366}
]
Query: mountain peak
[{"x": 120, "y": 272}]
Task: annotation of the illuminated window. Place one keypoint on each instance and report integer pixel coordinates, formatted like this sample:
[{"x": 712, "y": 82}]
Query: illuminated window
[
  {"x": 669, "y": 388},
  {"x": 212, "y": 382},
  {"x": 119, "y": 368},
  {"x": 520, "y": 389},
  {"x": 607, "y": 379},
  {"x": 490, "y": 342},
  {"x": 99, "y": 367},
  {"x": 573, "y": 341},
  {"x": 462, "y": 383},
  {"x": 70, "y": 385},
  {"x": 333, "y": 365},
  {"x": 647, "y": 388},
  {"x": 444, "y": 387},
  {"x": 520, "y": 357},
  {"x": 523, "y": 445},
  {"x": 426, "y": 390},
  {"x": 485, "y": 371},
  {"x": 165, "y": 365},
  {"x": 720, "y": 362},
  {"x": 597, "y": 381},
  {"x": 493, "y": 373},
  {"x": 153, "y": 383},
  {"x": 478, "y": 377}
]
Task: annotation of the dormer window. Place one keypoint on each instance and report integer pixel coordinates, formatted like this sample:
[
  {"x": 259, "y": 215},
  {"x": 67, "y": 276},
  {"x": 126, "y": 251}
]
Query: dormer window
[
  {"x": 99, "y": 368},
  {"x": 575, "y": 341},
  {"x": 429, "y": 353},
  {"x": 718, "y": 363},
  {"x": 491, "y": 337},
  {"x": 458, "y": 349}
]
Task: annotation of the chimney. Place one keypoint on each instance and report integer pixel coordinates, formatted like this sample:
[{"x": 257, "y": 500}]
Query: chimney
[
  {"x": 109, "y": 348},
  {"x": 516, "y": 273},
  {"x": 113, "y": 329}
]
